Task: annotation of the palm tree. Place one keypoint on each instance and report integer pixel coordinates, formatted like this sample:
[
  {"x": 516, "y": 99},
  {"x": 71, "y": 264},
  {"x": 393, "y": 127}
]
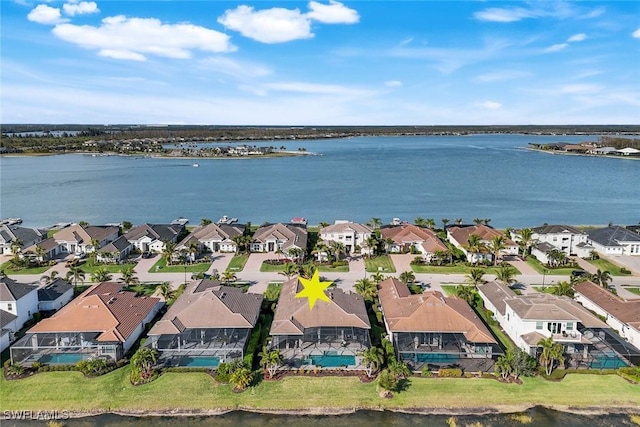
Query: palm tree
[
  {"x": 430, "y": 223},
  {"x": 205, "y": 221},
  {"x": 477, "y": 221},
  {"x": 526, "y": 237},
  {"x": 143, "y": 360},
  {"x": 241, "y": 378},
  {"x": 377, "y": 277},
  {"x": 373, "y": 244},
  {"x": 475, "y": 246},
  {"x": 50, "y": 278},
  {"x": 76, "y": 274},
  {"x": 167, "y": 251},
  {"x": 95, "y": 244},
  {"x": 486, "y": 221},
  {"x": 497, "y": 244},
  {"x": 164, "y": 289},
  {"x": 372, "y": 359},
  {"x": 552, "y": 352},
  {"x": 289, "y": 270},
  {"x": 458, "y": 221},
  {"x": 308, "y": 270},
  {"x": 407, "y": 277},
  {"x": 475, "y": 277},
  {"x": 563, "y": 288},
  {"x": 366, "y": 288},
  {"x": 388, "y": 244},
  {"x": 337, "y": 248},
  {"x": 40, "y": 253},
  {"x": 323, "y": 224},
  {"x": 503, "y": 365},
  {"x": 506, "y": 274},
  {"x": 602, "y": 278},
  {"x": 270, "y": 360},
  {"x": 375, "y": 223},
  {"x": 101, "y": 275},
  {"x": 466, "y": 293},
  {"x": 16, "y": 247},
  {"x": 419, "y": 221},
  {"x": 296, "y": 254},
  {"x": 320, "y": 250},
  {"x": 556, "y": 258},
  {"x": 445, "y": 221},
  {"x": 128, "y": 275},
  {"x": 229, "y": 276}
]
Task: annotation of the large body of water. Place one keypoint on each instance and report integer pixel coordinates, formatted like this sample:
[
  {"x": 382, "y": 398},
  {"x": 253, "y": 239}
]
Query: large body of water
[
  {"x": 540, "y": 417},
  {"x": 480, "y": 176}
]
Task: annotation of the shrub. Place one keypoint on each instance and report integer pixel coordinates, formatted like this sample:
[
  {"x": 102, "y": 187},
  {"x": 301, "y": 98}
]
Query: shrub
[
  {"x": 36, "y": 365},
  {"x": 7, "y": 363},
  {"x": 387, "y": 381},
  {"x": 425, "y": 372},
  {"x": 252, "y": 346},
  {"x": 450, "y": 373},
  {"x": 624, "y": 271},
  {"x": 15, "y": 370}
]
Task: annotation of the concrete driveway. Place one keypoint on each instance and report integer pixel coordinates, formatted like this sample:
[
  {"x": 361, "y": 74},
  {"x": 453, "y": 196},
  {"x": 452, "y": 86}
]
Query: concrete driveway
[{"x": 629, "y": 262}]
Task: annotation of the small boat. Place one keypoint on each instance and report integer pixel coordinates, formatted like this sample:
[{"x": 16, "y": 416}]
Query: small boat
[
  {"x": 196, "y": 165},
  {"x": 11, "y": 221},
  {"x": 226, "y": 220}
]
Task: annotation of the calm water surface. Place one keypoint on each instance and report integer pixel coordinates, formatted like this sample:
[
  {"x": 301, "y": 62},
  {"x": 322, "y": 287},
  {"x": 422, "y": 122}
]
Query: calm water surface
[{"x": 486, "y": 176}]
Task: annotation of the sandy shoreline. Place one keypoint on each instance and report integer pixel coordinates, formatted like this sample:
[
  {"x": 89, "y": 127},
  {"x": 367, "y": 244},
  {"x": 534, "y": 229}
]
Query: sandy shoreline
[{"x": 563, "y": 153}]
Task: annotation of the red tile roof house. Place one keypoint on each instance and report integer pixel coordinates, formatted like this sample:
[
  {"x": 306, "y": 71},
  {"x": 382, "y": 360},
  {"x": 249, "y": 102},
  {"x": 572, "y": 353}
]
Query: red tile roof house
[
  {"x": 329, "y": 336},
  {"x": 408, "y": 236},
  {"x": 434, "y": 331},
  {"x": 104, "y": 321},
  {"x": 459, "y": 237},
  {"x": 209, "y": 324}
]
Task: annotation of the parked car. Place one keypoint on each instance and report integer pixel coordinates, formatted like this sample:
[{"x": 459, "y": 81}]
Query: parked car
[
  {"x": 579, "y": 273},
  {"x": 147, "y": 254}
]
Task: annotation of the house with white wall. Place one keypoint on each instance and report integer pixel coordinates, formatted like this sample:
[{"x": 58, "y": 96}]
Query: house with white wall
[
  {"x": 213, "y": 237},
  {"x": 566, "y": 238},
  {"x": 283, "y": 237},
  {"x": 55, "y": 295},
  {"x": 350, "y": 234},
  {"x": 615, "y": 240},
  {"x": 151, "y": 237},
  {"x": 76, "y": 239},
  {"x": 23, "y": 236},
  {"x": 459, "y": 237},
  {"x": 19, "y": 299},
  {"x": 621, "y": 315},
  {"x": 408, "y": 237}
]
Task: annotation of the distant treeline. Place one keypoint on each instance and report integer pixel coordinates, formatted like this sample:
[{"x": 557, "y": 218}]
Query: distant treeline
[{"x": 618, "y": 142}]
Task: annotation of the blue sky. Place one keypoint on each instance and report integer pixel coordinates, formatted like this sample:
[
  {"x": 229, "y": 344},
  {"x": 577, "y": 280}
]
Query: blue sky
[{"x": 320, "y": 62}]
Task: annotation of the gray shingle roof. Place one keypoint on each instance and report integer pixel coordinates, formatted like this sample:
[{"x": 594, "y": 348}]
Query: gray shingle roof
[
  {"x": 6, "y": 318},
  {"x": 611, "y": 236},
  {"x": 10, "y": 290},
  {"x": 155, "y": 231},
  {"x": 54, "y": 290},
  {"x": 557, "y": 228}
]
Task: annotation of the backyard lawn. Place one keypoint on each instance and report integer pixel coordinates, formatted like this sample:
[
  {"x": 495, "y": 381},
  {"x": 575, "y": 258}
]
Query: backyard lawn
[
  {"x": 543, "y": 269},
  {"x": 382, "y": 263},
  {"x": 237, "y": 263},
  {"x": 606, "y": 265},
  {"x": 161, "y": 267},
  {"x": 199, "y": 391}
]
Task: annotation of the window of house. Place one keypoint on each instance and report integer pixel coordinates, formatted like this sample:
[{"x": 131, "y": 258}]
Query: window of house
[
  {"x": 569, "y": 326},
  {"x": 9, "y": 306},
  {"x": 539, "y": 325}
]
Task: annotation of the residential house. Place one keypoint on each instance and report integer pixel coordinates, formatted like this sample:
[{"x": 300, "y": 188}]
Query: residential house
[
  {"x": 351, "y": 234},
  {"x": 284, "y": 237},
  {"x": 104, "y": 321},
  {"x": 213, "y": 238},
  {"x": 7, "y": 328},
  {"x": 615, "y": 240},
  {"x": 49, "y": 249},
  {"x": 209, "y": 324},
  {"x": 115, "y": 252},
  {"x": 408, "y": 237},
  {"x": 18, "y": 304},
  {"x": 621, "y": 315},
  {"x": 79, "y": 240},
  {"x": 331, "y": 335},
  {"x": 24, "y": 236},
  {"x": 541, "y": 250},
  {"x": 566, "y": 238},
  {"x": 433, "y": 331},
  {"x": 588, "y": 342},
  {"x": 54, "y": 295},
  {"x": 151, "y": 237},
  {"x": 459, "y": 237}
]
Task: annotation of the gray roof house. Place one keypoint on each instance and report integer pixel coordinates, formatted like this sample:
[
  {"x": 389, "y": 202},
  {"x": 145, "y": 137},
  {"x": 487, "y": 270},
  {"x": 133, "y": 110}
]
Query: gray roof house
[
  {"x": 17, "y": 299},
  {"x": 615, "y": 240},
  {"x": 148, "y": 237},
  {"x": 116, "y": 251},
  {"x": 55, "y": 295},
  {"x": 27, "y": 237}
]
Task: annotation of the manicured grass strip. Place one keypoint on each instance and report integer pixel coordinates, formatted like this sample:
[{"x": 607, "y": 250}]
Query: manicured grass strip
[
  {"x": 382, "y": 263},
  {"x": 89, "y": 267},
  {"x": 199, "y": 391},
  {"x": 606, "y": 265},
  {"x": 161, "y": 267},
  {"x": 9, "y": 268},
  {"x": 237, "y": 263},
  {"x": 330, "y": 269},
  {"x": 634, "y": 290},
  {"x": 545, "y": 290},
  {"x": 449, "y": 290},
  {"x": 540, "y": 268},
  {"x": 270, "y": 268},
  {"x": 145, "y": 289},
  {"x": 454, "y": 269}
]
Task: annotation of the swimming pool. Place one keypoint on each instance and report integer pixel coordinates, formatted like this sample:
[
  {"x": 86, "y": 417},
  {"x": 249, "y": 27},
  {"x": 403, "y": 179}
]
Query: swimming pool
[
  {"x": 61, "y": 358},
  {"x": 331, "y": 361},
  {"x": 607, "y": 363},
  {"x": 200, "y": 361},
  {"x": 436, "y": 358}
]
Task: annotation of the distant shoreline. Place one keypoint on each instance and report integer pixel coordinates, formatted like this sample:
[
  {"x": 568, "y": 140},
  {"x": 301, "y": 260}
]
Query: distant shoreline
[
  {"x": 564, "y": 153},
  {"x": 278, "y": 154}
]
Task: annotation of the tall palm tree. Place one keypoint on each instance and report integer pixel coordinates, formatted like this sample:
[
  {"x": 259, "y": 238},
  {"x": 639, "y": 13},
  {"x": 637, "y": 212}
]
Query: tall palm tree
[
  {"x": 475, "y": 246},
  {"x": 430, "y": 223},
  {"x": 164, "y": 289},
  {"x": 323, "y": 224},
  {"x": 49, "y": 278},
  {"x": 337, "y": 248},
  {"x": 205, "y": 221},
  {"x": 407, "y": 277},
  {"x": 375, "y": 223},
  {"x": 419, "y": 221},
  {"x": 167, "y": 251},
  {"x": 445, "y": 221},
  {"x": 40, "y": 253},
  {"x": 475, "y": 277},
  {"x": 373, "y": 244},
  {"x": 506, "y": 274},
  {"x": 552, "y": 352},
  {"x": 193, "y": 248},
  {"x": 76, "y": 274},
  {"x": 458, "y": 221},
  {"x": 602, "y": 278},
  {"x": 143, "y": 360},
  {"x": 388, "y": 244},
  {"x": 308, "y": 270},
  {"x": 497, "y": 244},
  {"x": 477, "y": 221},
  {"x": 229, "y": 276},
  {"x": 377, "y": 277},
  {"x": 486, "y": 221},
  {"x": 128, "y": 275},
  {"x": 366, "y": 288},
  {"x": 563, "y": 288},
  {"x": 466, "y": 293},
  {"x": 372, "y": 359},
  {"x": 16, "y": 247},
  {"x": 101, "y": 275},
  {"x": 289, "y": 270},
  {"x": 526, "y": 237}
]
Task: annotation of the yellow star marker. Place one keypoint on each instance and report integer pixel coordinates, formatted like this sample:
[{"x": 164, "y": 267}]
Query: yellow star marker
[{"x": 313, "y": 289}]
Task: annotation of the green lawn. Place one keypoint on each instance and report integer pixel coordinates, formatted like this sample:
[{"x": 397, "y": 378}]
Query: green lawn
[
  {"x": 449, "y": 290},
  {"x": 199, "y": 391},
  {"x": 161, "y": 267},
  {"x": 606, "y": 265},
  {"x": 634, "y": 290},
  {"x": 382, "y": 263},
  {"x": 89, "y": 267},
  {"x": 8, "y": 268},
  {"x": 146, "y": 289},
  {"x": 540, "y": 268},
  {"x": 547, "y": 289},
  {"x": 237, "y": 263},
  {"x": 454, "y": 269},
  {"x": 330, "y": 269},
  {"x": 270, "y": 268}
]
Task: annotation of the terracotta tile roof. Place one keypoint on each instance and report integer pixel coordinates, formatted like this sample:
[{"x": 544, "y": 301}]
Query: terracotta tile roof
[
  {"x": 625, "y": 311},
  {"x": 293, "y": 315},
  {"x": 207, "y": 304},
  {"x": 461, "y": 234},
  {"x": 429, "y": 312},
  {"x": 291, "y": 234},
  {"x": 10, "y": 290},
  {"x": 84, "y": 235},
  {"x": 410, "y": 234},
  {"x": 102, "y": 308}
]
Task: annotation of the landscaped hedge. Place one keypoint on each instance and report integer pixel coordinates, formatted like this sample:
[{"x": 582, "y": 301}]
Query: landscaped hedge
[
  {"x": 253, "y": 346},
  {"x": 450, "y": 373},
  {"x": 185, "y": 369},
  {"x": 632, "y": 373}
]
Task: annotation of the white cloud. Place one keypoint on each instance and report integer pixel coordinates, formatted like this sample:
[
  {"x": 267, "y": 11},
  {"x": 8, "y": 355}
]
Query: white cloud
[
  {"x": 235, "y": 68},
  {"x": 577, "y": 38},
  {"x": 393, "y": 83},
  {"x": 84, "y": 7},
  {"x": 491, "y": 105},
  {"x": 120, "y": 37},
  {"x": 332, "y": 13},
  {"x": 496, "y": 14},
  {"x": 580, "y": 89},
  {"x": 43, "y": 14},
  {"x": 501, "y": 76},
  {"x": 276, "y": 25},
  {"x": 555, "y": 10},
  {"x": 556, "y": 47},
  {"x": 315, "y": 88},
  {"x": 636, "y": 34}
]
